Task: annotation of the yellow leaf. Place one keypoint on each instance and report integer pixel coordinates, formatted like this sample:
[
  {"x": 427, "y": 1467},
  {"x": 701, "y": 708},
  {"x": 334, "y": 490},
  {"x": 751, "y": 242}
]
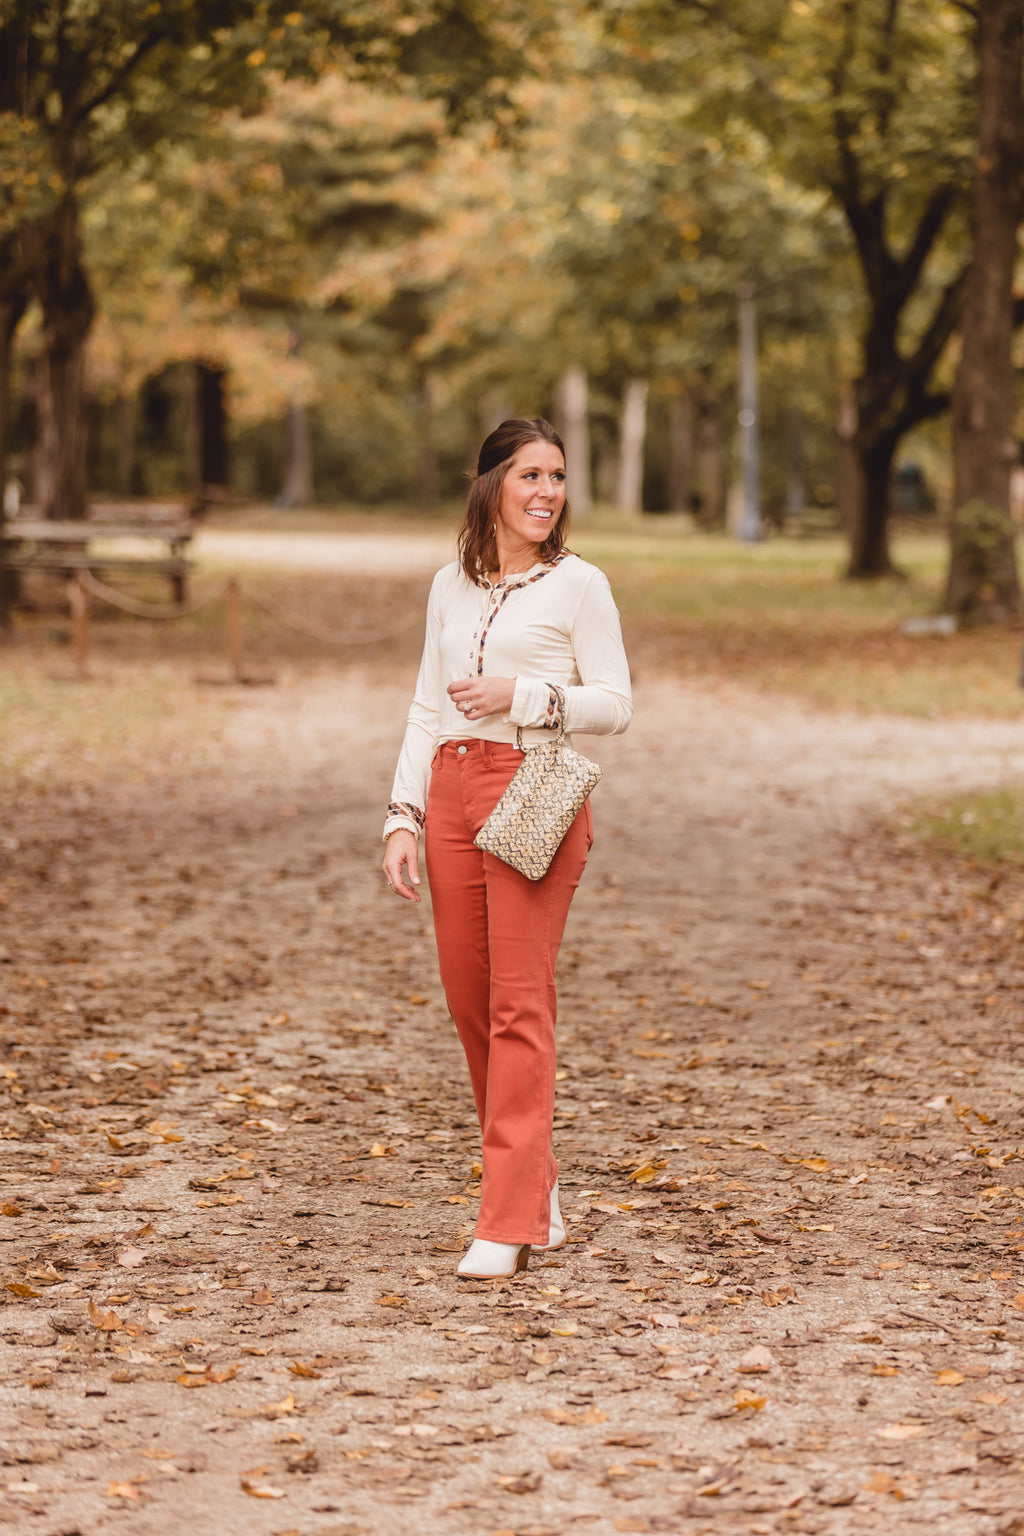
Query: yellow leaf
[
  {"x": 900, "y": 1431},
  {"x": 16, "y": 1288},
  {"x": 286, "y": 1405},
  {"x": 884, "y": 1370},
  {"x": 298, "y": 1368},
  {"x": 221, "y": 1376},
  {"x": 123, "y": 1491},
  {"x": 10, "y": 1209},
  {"x": 949, "y": 1379},
  {"x": 190, "y": 1379},
  {"x": 747, "y": 1400},
  {"x": 107, "y": 1322},
  {"x": 565, "y": 1330},
  {"x": 261, "y": 1490}
]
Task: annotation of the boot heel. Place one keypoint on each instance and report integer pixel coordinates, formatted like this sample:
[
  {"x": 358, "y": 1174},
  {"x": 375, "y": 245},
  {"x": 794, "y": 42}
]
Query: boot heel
[{"x": 523, "y": 1259}]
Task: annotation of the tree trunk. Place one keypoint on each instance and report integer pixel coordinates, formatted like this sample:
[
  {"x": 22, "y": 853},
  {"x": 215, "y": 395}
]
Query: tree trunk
[
  {"x": 65, "y": 295},
  {"x": 983, "y": 583},
  {"x": 632, "y": 429},
  {"x": 869, "y": 544},
  {"x": 796, "y": 494},
  {"x": 212, "y": 428},
  {"x": 297, "y": 488},
  {"x": 680, "y": 442},
  {"x": 710, "y": 458},
  {"x": 428, "y": 474},
  {"x": 849, "y": 477},
  {"x": 11, "y": 311},
  {"x": 575, "y": 429},
  {"x": 126, "y": 415}
]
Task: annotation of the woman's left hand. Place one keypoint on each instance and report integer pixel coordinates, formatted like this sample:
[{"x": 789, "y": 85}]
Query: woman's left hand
[{"x": 475, "y": 697}]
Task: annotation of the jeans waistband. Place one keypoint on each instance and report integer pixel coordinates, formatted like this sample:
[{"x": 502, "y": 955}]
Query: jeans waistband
[{"x": 474, "y": 749}]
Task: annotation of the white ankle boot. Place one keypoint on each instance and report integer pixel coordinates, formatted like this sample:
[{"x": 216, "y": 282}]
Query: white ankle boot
[
  {"x": 493, "y": 1261},
  {"x": 556, "y": 1231}
]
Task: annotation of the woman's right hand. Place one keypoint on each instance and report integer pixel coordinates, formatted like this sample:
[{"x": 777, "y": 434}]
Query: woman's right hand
[{"x": 402, "y": 852}]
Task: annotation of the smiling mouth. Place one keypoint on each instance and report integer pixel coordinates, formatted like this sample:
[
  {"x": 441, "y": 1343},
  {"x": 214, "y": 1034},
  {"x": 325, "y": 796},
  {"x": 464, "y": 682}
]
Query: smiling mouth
[{"x": 544, "y": 512}]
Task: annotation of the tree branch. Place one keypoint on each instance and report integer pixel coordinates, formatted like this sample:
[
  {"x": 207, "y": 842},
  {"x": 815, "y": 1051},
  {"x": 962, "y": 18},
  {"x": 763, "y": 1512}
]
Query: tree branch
[
  {"x": 117, "y": 79},
  {"x": 928, "y": 230}
]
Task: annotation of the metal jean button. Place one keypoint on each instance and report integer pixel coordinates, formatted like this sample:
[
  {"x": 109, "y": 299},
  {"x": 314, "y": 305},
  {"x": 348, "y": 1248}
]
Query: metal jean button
[{"x": 462, "y": 751}]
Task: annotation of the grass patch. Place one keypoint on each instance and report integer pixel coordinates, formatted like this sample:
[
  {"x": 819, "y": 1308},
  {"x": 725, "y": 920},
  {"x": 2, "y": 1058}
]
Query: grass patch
[
  {"x": 987, "y": 826},
  {"x": 779, "y": 616}
]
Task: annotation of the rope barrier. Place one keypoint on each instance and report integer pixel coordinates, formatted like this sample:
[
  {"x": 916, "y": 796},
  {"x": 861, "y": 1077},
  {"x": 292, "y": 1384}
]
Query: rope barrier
[
  {"x": 328, "y": 636},
  {"x": 145, "y": 610},
  {"x": 231, "y": 595}
]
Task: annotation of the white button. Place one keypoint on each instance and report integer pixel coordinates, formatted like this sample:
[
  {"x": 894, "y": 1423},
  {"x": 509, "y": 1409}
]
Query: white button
[{"x": 462, "y": 751}]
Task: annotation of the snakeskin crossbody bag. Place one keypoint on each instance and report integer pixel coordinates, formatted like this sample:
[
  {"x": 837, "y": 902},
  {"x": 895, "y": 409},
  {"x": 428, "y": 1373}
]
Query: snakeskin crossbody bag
[{"x": 527, "y": 825}]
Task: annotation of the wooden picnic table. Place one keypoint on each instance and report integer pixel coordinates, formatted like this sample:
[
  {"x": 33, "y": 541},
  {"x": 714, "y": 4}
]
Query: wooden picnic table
[{"x": 35, "y": 543}]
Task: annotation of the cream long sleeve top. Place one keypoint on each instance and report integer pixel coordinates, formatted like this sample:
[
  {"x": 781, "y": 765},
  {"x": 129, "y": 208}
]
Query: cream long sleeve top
[{"x": 556, "y": 624}]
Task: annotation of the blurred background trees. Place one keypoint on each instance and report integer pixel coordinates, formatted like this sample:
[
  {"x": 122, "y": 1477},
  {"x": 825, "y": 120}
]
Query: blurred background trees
[{"x": 297, "y": 252}]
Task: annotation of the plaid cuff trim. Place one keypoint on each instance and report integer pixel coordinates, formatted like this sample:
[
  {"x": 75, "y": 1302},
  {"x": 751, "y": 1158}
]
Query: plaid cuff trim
[{"x": 413, "y": 812}]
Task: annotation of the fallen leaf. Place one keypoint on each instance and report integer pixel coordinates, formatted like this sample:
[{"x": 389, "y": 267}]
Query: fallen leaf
[
  {"x": 106, "y": 1322},
  {"x": 131, "y": 1258},
  {"x": 123, "y": 1491},
  {"x": 949, "y": 1379},
  {"x": 900, "y": 1431},
  {"x": 745, "y": 1399},
  {"x": 10, "y": 1209},
  {"x": 261, "y": 1490},
  {"x": 884, "y": 1370},
  {"x": 784, "y": 1294},
  {"x": 16, "y": 1288},
  {"x": 993, "y": 1399},
  {"x": 260, "y": 1298},
  {"x": 755, "y": 1361},
  {"x": 298, "y": 1368},
  {"x": 561, "y": 1457}
]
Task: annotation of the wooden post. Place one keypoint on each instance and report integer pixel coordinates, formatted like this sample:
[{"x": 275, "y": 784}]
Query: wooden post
[
  {"x": 78, "y": 602},
  {"x": 233, "y": 607}
]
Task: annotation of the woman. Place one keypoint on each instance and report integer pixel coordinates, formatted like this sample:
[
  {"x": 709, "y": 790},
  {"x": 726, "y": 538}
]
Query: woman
[{"x": 515, "y": 626}]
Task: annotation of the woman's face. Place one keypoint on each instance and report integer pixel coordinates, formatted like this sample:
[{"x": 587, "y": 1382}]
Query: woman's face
[{"x": 532, "y": 495}]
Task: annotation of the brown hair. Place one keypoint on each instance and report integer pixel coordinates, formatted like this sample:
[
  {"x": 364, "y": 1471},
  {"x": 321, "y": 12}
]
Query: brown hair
[{"x": 478, "y": 552}]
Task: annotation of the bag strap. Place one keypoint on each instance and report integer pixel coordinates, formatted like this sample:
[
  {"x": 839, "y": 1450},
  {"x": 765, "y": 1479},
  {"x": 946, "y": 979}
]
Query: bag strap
[{"x": 560, "y": 692}]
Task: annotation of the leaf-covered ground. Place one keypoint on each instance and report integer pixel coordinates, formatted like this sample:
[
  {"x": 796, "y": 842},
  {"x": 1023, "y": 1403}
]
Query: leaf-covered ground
[{"x": 238, "y": 1149}]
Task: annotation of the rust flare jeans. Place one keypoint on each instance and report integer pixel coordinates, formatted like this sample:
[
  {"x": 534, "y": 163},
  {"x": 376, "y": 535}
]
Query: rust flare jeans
[{"x": 498, "y": 935}]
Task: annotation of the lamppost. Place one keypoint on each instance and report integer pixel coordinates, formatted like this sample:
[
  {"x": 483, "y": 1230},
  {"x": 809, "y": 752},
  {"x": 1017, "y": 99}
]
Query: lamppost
[{"x": 750, "y": 529}]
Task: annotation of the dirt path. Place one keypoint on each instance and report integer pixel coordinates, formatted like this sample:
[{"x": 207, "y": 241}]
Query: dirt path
[{"x": 239, "y": 1151}]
